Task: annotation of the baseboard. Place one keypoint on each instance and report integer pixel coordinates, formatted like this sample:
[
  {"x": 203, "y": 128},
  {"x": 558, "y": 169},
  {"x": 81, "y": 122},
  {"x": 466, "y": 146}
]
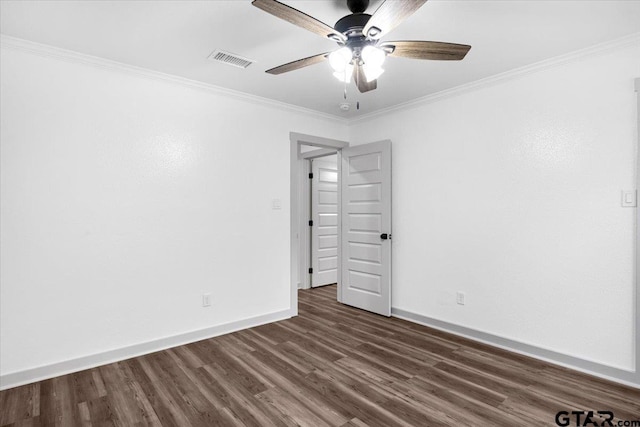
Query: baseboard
[
  {"x": 15, "y": 379},
  {"x": 622, "y": 376}
]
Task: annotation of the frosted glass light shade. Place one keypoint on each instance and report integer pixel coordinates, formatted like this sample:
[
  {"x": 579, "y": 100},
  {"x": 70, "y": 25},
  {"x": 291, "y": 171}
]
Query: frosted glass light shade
[
  {"x": 345, "y": 75},
  {"x": 373, "y": 57},
  {"x": 340, "y": 59},
  {"x": 371, "y": 73}
]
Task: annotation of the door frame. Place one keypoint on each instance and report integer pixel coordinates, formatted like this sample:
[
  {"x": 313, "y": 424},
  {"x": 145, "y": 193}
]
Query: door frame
[
  {"x": 299, "y": 208},
  {"x": 636, "y": 242}
]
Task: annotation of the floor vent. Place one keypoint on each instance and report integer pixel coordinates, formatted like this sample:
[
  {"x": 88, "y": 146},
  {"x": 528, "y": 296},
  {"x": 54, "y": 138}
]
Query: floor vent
[{"x": 230, "y": 59}]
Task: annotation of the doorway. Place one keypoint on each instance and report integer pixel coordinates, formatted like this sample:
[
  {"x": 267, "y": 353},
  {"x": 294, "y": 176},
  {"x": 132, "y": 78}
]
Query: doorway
[
  {"x": 362, "y": 226},
  {"x": 302, "y": 149}
]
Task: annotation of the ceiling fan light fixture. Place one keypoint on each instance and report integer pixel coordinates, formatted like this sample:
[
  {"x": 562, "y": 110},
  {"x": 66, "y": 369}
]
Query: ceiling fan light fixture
[
  {"x": 372, "y": 60},
  {"x": 373, "y": 57},
  {"x": 340, "y": 59},
  {"x": 371, "y": 73},
  {"x": 345, "y": 75}
]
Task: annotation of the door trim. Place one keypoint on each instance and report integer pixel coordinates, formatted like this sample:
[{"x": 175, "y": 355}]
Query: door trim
[
  {"x": 636, "y": 240},
  {"x": 299, "y": 235}
]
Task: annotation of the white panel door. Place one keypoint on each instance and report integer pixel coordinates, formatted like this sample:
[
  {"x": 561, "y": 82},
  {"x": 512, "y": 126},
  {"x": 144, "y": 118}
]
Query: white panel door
[
  {"x": 366, "y": 227},
  {"x": 324, "y": 213}
]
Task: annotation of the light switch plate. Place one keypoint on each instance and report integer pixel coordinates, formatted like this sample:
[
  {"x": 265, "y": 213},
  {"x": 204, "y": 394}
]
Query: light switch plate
[
  {"x": 276, "y": 204},
  {"x": 206, "y": 300},
  {"x": 629, "y": 199}
]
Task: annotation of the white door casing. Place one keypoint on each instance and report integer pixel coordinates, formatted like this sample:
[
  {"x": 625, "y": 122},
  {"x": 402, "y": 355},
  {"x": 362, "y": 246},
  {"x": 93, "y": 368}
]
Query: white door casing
[
  {"x": 324, "y": 214},
  {"x": 298, "y": 179},
  {"x": 366, "y": 220}
]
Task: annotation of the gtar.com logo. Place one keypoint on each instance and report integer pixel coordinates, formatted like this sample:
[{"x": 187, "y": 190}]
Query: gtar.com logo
[{"x": 591, "y": 418}]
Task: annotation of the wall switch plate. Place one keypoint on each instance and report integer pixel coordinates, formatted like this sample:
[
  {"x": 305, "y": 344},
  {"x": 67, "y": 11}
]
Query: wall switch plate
[
  {"x": 206, "y": 300},
  {"x": 276, "y": 204},
  {"x": 629, "y": 199},
  {"x": 460, "y": 298}
]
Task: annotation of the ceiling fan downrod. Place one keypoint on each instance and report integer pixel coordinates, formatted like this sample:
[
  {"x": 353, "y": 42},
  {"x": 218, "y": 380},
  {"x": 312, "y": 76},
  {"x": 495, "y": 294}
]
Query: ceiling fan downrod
[{"x": 357, "y": 6}]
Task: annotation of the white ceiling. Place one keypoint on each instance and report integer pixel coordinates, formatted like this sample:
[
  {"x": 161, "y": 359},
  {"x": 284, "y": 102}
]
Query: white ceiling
[{"x": 175, "y": 37}]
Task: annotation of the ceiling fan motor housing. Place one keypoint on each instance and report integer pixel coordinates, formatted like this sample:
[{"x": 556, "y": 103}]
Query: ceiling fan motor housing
[{"x": 352, "y": 25}]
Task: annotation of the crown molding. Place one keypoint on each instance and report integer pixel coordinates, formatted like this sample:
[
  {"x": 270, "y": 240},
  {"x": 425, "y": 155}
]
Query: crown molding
[
  {"x": 591, "y": 51},
  {"x": 81, "y": 58},
  {"x": 44, "y": 50}
]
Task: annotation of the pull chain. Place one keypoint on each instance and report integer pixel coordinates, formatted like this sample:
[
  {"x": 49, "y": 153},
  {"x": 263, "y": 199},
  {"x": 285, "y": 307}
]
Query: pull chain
[{"x": 345, "y": 87}]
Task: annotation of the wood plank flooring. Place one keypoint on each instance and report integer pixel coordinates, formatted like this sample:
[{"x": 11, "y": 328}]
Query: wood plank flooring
[{"x": 330, "y": 366}]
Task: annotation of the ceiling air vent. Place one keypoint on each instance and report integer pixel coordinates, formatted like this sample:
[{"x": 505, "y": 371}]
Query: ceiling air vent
[{"x": 230, "y": 59}]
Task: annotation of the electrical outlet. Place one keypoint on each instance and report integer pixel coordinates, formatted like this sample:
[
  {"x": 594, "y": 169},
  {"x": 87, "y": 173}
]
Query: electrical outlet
[
  {"x": 460, "y": 298},
  {"x": 206, "y": 300}
]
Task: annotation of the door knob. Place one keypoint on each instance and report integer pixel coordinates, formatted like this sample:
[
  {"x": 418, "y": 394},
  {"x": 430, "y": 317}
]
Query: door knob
[{"x": 385, "y": 236}]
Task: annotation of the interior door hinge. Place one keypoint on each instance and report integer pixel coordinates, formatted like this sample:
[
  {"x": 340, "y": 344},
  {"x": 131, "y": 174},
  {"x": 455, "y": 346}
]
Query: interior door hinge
[
  {"x": 310, "y": 223},
  {"x": 310, "y": 175},
  {"x": 310, "y": 270}
]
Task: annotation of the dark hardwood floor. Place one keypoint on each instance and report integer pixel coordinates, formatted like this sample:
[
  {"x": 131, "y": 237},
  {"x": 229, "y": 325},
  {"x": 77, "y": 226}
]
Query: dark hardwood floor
[{"x": 330, "y": 366}]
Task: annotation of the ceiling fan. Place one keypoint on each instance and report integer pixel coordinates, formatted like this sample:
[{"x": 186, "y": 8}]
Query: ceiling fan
[{"x": 362, "y": 53}]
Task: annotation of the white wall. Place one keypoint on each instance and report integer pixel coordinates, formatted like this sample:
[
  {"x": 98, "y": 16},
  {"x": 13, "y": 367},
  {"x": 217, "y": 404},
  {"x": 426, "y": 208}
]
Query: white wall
[
  {"x": 126, "y": 198},
  {"x": 511, "y": 194}
]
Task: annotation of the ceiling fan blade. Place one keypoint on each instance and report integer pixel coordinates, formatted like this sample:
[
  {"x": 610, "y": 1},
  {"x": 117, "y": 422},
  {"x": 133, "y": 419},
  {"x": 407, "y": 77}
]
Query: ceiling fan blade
[
  {"x": 389, "y": 15},
  {"x": 361, "y": 80},
  {"x": 426, "y": 50},
  {"x": 298, "y": 18},
  {"x": 300, "y": 63}
]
